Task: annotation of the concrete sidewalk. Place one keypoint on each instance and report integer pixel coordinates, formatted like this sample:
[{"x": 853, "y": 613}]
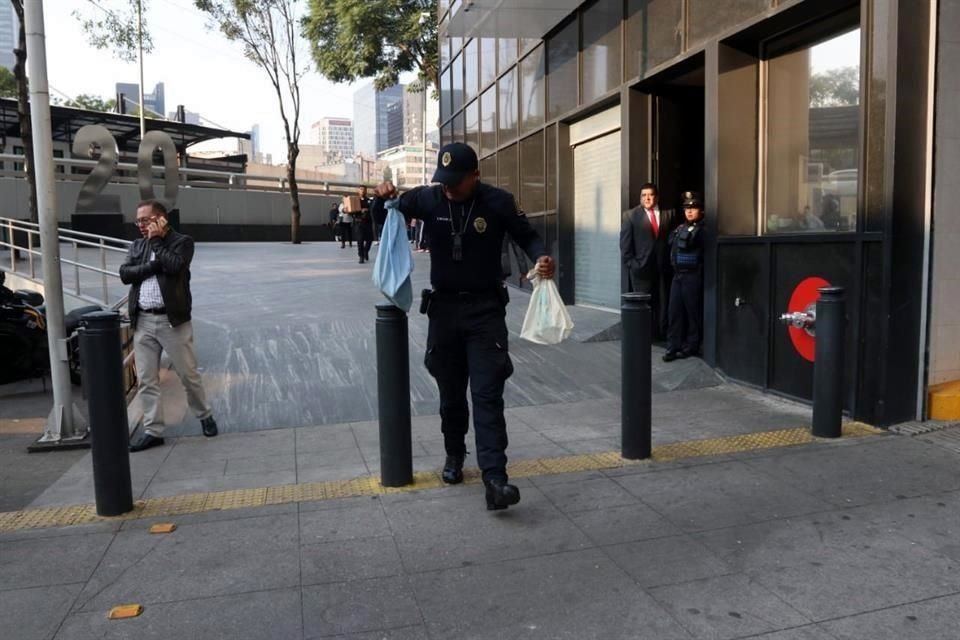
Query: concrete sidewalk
[{"x": 833, "y": 540}]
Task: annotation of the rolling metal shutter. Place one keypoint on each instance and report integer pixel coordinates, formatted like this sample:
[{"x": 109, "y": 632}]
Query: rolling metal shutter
[{"x": 597, "y": 221}]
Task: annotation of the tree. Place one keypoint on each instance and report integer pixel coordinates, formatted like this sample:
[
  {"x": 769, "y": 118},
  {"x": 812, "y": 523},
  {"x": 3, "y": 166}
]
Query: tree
[
  {"x": 838, "y": 87},
  {"x": 8, "y": 83},
  {"x": 91, "y": 103},
  {"x": 23, "y": 108},
  {"x": 355, "y": 39},
  {"x": 267, "y": 29},
  {"x": 116, "y": 27}
]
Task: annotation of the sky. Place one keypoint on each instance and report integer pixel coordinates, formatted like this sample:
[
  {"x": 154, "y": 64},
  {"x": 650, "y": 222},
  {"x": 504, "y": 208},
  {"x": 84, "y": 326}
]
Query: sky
[{"x": 200, "y": 69}]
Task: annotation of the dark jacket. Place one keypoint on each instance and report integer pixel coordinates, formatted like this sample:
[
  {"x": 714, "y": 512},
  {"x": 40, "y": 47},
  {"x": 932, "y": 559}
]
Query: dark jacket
[
  {"x": 641, "y": 253},
  {"x": 171, "y": 264}
]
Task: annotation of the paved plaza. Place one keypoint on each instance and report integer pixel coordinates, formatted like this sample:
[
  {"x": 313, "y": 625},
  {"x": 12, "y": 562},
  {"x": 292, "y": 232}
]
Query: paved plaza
[{"x": 741, "y": 526}]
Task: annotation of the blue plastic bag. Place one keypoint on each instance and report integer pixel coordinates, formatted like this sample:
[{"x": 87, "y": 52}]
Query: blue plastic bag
[{"x": 391, "y": 271}]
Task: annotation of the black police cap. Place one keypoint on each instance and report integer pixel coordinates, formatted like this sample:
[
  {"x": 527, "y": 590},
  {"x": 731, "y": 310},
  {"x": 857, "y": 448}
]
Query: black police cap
[
  {"x": 692, "y": 200},
  {"x": 454, "y": 162}
]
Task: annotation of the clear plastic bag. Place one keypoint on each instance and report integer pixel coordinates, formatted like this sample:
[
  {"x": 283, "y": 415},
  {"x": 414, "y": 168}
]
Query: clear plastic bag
[
  {"x": 394, "y": 264},
  {"x": 547, "y": 320}
]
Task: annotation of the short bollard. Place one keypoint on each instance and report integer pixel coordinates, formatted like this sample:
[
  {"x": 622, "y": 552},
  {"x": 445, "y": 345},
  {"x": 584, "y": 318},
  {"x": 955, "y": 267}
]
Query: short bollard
[
  {"x": 635, "y": 411},
  {"x": 393, "y": 396},
  {"x": 828, "y": 365},
  {"x": 102, "y": 361}
]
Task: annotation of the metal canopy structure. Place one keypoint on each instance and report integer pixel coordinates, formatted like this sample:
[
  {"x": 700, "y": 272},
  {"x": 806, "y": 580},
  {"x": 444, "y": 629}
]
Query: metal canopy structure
[
  {"x": 125, "y": 128},
  {"x": 508, "y": 18}
]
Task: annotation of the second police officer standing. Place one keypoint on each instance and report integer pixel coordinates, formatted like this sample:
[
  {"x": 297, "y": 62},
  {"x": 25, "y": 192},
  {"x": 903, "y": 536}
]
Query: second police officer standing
[
  {"x": 685, "y": 311},
  {"x": 467, "y": 337}
]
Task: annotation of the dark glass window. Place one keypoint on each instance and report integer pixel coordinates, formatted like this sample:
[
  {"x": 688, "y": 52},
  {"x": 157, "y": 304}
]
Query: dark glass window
[
  {"x": 446, "y": 95},
  {"x": 601, "y": 48},
  {"x": 654, "y": 28},
  {"x": 551, "y": 165},
  {"x": 456, "y": 84},
  {"x": 458, "y": 127},
  {"x": 472, "y": 125},
  {"x": 471, "y": 68},
  {"x": 709, "y": 17},
  {"x": 507, "y": 53},
  {"x": 445, "y": 137},
  {"x": 532, "y": 175},
  {"x": 488, "y": 61},
  {"x": 562, "y": 70},
  {"x": 444, "y": 52},
  {"x": 488, "y": 170},
  {"x": 488, "y": 121},
  {"x": 813, "y": 137},
  {"x": 508, "y": 165},
  {"x": 532, "y": 90},
  {"x": 526, "y": 44},
  {"x": 507, "y": 109}
]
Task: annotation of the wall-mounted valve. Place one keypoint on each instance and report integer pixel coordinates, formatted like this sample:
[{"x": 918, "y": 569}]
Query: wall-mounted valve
[{"x": 806, "y": 320}]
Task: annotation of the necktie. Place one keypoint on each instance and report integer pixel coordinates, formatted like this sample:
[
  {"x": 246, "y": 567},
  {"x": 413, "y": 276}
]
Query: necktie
[{"x": 653, "y": 223}]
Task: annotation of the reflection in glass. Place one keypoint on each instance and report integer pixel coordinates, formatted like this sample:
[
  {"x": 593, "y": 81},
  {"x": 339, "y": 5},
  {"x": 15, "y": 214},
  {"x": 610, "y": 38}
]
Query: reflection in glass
[
  {"x": 562, "y": 65},
  {"x": 654, "y": 28},
  {"x": 488, "y": 170},
  {"x": 456, "y": 84},
  {"x": 532, "y": 90},
  {"x": 444, "y": 52},
  {"x": 472, "y": 125},
  {"x": 471, "y": 68},
  {"x": 812, "y": 137},
  {"x": 601, "y": 48},
  {"x": 457, "y": 133},
  {"x": 507, "y": 161},
  {"x": 532, "y": 178},
  {"x": 507, "y": 53},
  {"x": 507, "y": 110},
  {"x": 446, "y": 96},
  {"x": 488, "y": 61},
  {"x": 488, "y": 121}
]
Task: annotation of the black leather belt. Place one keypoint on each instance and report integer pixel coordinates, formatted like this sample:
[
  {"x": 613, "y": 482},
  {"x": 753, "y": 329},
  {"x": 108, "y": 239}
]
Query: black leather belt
[{"x": 162, "y": 311}]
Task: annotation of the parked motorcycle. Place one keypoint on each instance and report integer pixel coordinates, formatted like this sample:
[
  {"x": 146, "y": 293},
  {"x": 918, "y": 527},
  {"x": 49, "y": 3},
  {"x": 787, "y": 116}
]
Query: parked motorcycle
[{"x": 23, "y": 335}]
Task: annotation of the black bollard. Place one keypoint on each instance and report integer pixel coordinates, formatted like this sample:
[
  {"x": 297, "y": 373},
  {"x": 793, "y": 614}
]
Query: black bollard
[
  {"x": 828, "y": 365},
  {"x": 393, "y": 395},
  {"x": 635, "y": 410},
  {"x": 102, "y": 361}
]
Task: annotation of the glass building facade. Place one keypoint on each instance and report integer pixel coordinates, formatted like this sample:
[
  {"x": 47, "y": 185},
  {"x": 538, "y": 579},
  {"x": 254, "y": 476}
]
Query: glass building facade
[{"x": 784, "y": 113}]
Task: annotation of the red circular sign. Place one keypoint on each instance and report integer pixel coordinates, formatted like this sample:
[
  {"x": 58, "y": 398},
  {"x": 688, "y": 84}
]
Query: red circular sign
[{"x": 804, "y": 295}]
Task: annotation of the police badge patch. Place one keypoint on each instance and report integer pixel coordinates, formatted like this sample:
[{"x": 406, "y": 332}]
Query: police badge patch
[
  {"x": 480, "y": 225},
  {"x": 446, "y": 159}
]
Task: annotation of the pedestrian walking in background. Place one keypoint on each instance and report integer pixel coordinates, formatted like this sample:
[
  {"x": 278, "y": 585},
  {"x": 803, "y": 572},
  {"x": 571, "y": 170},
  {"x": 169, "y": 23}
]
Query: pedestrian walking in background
[
  {"x": 346, "y": 227},
  {"x": 364, "y": 224}
]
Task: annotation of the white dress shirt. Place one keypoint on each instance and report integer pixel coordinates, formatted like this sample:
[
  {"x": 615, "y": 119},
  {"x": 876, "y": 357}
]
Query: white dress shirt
[{"x": 150, "y": 295}]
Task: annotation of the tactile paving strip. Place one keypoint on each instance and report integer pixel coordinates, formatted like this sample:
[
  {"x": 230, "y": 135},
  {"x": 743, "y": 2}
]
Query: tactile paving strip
[{"x": 370, "y": 485}]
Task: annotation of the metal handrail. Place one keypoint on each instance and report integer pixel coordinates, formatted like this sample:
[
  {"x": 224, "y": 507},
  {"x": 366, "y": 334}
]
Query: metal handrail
[
  {"x": 233, "y": 180},
  {"x": 103, "y": 245}
]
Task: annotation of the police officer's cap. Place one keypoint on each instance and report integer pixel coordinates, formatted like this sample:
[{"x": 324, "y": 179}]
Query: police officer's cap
[
  {"x": 692, "y": 200},
  {"x": 454, "y": 162}
]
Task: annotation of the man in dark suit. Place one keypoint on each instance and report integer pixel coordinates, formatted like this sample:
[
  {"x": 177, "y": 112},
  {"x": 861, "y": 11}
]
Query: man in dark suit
[{"x": 645, "y": 253}]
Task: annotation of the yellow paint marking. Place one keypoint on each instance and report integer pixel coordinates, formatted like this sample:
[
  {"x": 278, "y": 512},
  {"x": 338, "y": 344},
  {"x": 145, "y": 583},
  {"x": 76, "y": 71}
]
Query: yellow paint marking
[
  {"x": 370, "y": 485},
  {"x": 124, "y": 611}
]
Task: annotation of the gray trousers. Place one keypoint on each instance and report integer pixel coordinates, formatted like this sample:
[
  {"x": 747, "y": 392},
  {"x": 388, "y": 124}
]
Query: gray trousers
[{"x": 152, "y": 336}]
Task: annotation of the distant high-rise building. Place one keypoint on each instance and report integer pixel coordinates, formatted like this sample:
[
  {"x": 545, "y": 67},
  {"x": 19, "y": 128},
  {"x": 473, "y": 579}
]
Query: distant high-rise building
[
  {"x": 152, "y": 101},
  {"x": 255, "y": 143},
  {"x": 377, "y": 119},
  {"x": 335, "y": 137},
  {"x": 9, "y": 32},
  {"x": 413, "y": 105}
]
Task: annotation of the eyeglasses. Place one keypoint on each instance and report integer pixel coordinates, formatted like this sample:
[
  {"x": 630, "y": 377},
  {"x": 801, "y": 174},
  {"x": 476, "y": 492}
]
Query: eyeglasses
[{"x": 145, "y": 222}]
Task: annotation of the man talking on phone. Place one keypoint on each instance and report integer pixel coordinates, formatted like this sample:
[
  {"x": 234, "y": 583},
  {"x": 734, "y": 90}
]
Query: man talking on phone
[{"x": 158, "y": 269}]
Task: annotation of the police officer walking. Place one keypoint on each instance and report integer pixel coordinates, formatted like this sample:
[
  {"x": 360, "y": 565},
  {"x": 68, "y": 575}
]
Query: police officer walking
[
  {"x": 467, "y": 338},
  {"x": 685, "y": 311}
]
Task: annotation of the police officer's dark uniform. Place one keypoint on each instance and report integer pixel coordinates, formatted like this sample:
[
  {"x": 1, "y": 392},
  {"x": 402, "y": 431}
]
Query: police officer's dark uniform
[
  {"x": 467, "y": 337},
  {"x": 685, "y": 311},
  {"x": 365, "y": 229}
]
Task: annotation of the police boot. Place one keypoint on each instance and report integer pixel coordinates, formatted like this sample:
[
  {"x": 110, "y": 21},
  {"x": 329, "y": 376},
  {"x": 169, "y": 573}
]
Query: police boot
[
  {"x": 500, "y": 495},
  {"x": 453, "y": 470}
]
